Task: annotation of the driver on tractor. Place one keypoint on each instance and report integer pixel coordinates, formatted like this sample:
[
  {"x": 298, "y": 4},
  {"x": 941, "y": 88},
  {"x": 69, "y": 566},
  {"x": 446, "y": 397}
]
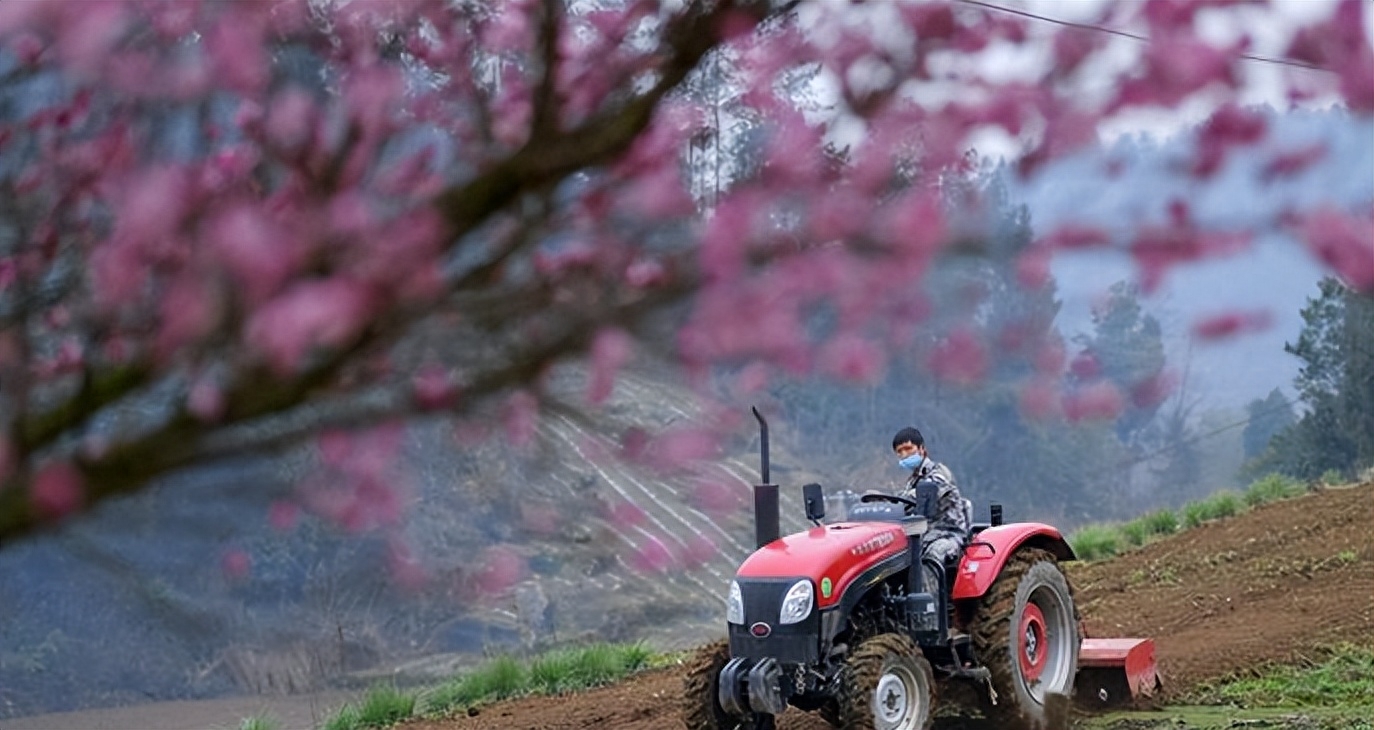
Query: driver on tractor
[{"x": 931, "y": 486}]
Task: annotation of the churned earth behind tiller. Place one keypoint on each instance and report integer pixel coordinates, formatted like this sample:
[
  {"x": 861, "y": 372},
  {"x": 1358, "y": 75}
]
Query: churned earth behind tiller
[{"x": 1275, "y": 584}]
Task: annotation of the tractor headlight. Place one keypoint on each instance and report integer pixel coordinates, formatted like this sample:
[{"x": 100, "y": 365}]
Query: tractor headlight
[
  {"x": 734, "y": 605},
  {"x": 796, "y": 605}
]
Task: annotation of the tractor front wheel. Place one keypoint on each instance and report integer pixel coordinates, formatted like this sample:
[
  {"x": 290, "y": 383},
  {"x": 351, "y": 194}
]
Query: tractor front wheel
[
  {"x": 1026, "y": 633},
  {"x": 887, "y": 685},
  {"x": 701, "y": 708}
]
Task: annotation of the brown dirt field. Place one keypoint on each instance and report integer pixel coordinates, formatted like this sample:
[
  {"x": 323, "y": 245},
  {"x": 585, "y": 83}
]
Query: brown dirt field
[{"x": 1275, "y": 584}]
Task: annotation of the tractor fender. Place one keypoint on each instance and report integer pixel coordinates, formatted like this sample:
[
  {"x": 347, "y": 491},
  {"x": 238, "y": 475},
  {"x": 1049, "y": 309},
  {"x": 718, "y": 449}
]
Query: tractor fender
[{"x": 988, "y": 551}]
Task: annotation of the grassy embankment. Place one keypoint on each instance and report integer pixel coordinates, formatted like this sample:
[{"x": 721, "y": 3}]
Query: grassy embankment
[
  {"x": 1095, "y": 542},
  {"x": 555, "y": 672}
]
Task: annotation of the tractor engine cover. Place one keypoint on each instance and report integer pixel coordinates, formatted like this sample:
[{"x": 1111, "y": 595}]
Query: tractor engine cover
[{"x": 835, "y": 559}]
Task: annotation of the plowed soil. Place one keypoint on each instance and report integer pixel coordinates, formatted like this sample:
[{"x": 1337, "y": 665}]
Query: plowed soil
[{"x": 1277, "y": 584}]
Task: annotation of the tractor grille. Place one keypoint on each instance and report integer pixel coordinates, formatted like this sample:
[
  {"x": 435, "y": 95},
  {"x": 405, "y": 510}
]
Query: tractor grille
[{"x": 797, "y": 643}]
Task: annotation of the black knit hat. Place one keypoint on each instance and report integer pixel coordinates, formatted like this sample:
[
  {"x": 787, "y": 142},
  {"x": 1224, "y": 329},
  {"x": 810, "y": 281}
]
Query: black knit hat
[{"x": 907, "y": 434}]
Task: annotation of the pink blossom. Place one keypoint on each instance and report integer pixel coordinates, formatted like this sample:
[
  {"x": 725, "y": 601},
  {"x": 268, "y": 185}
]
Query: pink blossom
[
  {"x": 698, "y": 551},
  {"x": 499, "y": 568},
  {"x": 1230, "y": 324},
  {"x": 626, "y": 514},
  {"x": 334, "y": 446},
  {"x": 521, "y": 418},
  {"x": 680, "y": 446},
  {"x": 960, "y": 358},
  {"x": 751, "y": 379},
  {"x": 58, "y": 489},
  {"x": 1033, "y": 268},
  {"x": 652, "y": 556},
  {"x": 852, "y": 358},
  {"x": 283, "y": 515},
  {"x": 235, "y": 47},
  {"x": 930, "y": 21},
  {"x": 1086, "y": 366},
  {"x": 1075, "y": 236},
  {"x": 541, "y": 519},
  {"x": 1039, "y": 399},
  {"x": 643, "y": 273},
  {"x": 89, "y": 36},
  {"x": 260, "y": 253},
  {"x": 1099, "y": 401},
  {"x": 1152, "y": 391},
  {"x": 235, "y": 564},
  {"x": 405, "y": 569},
  {"x": 373, "y": 96},
  {"x": 1344, "y": 243},
  {"x": 291, "y": 120},
  {"x": 609, "y": 352},
  {"x": 716, "y": 499},
  {"x": 1293, "y": 161},
  {"x": 1228, "y": 127},
  {"x": 1157, "y": 249},
  {"x": 190, "y": 310},
  {"x": 205, "y": 400},
  {"x": 726, "y": 239},
  {"x": 433, "y": 388},
  {"x": 309, "y": 315}
]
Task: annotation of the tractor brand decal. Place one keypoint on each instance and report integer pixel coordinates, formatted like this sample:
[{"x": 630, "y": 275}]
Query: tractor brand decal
[
  {"x": 826, "y": 587},
  {"x": 760, "y": 630},
  {"x": 877, "y": 542}
]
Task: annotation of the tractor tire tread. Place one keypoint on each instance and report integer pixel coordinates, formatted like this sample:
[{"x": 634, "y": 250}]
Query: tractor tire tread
[
  {"x": 990, "y": 633},
  {"x": 862, "y": 672}
]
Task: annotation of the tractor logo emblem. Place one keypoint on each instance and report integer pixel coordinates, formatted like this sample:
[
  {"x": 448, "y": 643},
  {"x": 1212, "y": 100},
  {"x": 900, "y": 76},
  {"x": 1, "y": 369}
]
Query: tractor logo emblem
[
  {"x": 826, "y": 587},
  {"x": 760, "y": 630}
]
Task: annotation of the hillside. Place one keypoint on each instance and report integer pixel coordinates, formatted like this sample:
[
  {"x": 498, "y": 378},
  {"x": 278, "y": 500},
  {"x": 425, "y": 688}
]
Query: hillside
[{"x": 1275, "y": 584}]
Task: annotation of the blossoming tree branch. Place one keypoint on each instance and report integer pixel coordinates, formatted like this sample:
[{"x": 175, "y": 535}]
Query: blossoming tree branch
[{"x": 231, "y": 227}]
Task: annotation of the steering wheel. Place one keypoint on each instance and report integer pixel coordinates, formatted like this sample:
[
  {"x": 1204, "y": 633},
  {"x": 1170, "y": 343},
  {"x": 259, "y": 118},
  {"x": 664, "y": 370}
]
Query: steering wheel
[{"x": 874, "y": 495}]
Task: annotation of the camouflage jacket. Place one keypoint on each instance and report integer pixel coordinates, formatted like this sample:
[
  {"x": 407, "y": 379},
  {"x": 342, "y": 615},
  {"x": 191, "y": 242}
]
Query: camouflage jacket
[{"x": 932, "y": 486}]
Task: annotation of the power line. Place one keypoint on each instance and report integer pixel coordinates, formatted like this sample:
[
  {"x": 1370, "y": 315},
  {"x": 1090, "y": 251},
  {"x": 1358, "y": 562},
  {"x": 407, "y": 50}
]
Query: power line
[{"x": 1135, "y": 36}]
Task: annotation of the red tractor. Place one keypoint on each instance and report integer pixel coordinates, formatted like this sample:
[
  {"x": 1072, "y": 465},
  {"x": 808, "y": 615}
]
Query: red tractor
[{"x": 836, "y": 620}]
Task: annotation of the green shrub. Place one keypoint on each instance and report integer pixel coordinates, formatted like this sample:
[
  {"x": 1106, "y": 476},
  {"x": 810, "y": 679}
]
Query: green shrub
[
  {"x": 1332, "y": 478},
  {"x": 1161, "y": 522},
  {"x": 383, "y": 706},
  {"x": 562, "y": 670},
  {"x": 1095, "y": 542},
  {"x": 1271, "y": 488},
  {"x": 1136, "y": 532},
  {"x": 1194, "y": 514},
  {"x": 1224, "y": 504},
  {"x": 499, "y": 678}
]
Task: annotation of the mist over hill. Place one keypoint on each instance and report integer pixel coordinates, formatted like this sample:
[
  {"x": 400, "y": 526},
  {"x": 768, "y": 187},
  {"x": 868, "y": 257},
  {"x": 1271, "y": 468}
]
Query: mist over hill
[{"x": 1133, "y": 180}]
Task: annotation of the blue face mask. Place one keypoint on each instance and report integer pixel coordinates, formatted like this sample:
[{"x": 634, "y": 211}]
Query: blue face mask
[{"x": 911, "y": 462}]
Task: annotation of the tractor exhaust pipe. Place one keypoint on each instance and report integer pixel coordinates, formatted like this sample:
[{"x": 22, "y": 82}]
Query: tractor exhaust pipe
[{"x": 767, "y": 526}]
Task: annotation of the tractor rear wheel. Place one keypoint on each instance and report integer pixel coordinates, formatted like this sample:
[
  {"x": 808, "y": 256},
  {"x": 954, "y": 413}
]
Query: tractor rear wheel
[
  {"x": 701, "y": 708},
  {"x": 1026, "y": 633},
  {"x": 887, "y": 685}
]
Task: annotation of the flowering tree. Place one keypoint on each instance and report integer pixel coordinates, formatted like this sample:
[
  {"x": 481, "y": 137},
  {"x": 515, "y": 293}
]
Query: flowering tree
[{"x": 229, "y": 227}]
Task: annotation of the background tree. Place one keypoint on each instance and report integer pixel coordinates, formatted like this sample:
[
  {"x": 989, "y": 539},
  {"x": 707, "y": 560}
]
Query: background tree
[
  {"x": 1334, "y": 384},
  {"x": 1265, "y": 418}
]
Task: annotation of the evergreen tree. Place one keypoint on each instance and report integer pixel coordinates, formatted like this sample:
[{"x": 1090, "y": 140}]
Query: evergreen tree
[
  {"x": 1265, "y": 418},
  {"x": 1335, "y": 383}
]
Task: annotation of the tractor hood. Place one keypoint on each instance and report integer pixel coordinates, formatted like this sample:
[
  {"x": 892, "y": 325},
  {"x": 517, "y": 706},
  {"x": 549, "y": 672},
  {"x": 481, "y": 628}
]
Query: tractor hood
[{"x": 832, "y": 556}]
